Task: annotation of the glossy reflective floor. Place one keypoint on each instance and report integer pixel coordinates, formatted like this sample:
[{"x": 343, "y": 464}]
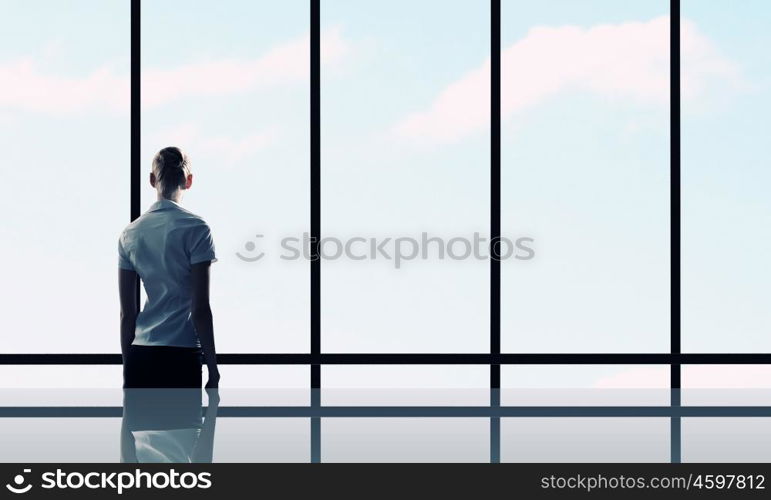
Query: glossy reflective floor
[{"x": 384, "y": 425}]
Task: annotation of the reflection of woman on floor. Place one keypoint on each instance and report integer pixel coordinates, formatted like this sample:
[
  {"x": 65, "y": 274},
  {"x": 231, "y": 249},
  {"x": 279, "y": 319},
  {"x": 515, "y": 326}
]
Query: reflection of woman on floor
[{"x": 165, "y": 426}]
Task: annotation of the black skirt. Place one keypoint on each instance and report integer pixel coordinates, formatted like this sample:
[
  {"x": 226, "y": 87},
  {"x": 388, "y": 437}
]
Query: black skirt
[{"x": 162, "y": 366}]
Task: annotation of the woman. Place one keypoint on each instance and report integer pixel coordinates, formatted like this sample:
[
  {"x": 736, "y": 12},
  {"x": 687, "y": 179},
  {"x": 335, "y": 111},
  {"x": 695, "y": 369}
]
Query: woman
[{"x": 170, "y": 249}]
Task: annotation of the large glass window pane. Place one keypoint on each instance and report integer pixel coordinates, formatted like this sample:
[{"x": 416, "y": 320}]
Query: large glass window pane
[
  {"x": 60, "y": 440},
  {"x": 228, "y": 82},
  {"x": 405, "y": 385},
  {"x": 585, "y": 385},
  {"x": 64, "y": 172},
  {"x": 397, "y": 439},
  {"x": 263, "y": 439},
  {"x": 585, "y": 173},
  {"x": 726, "y": 439},
  {"x": 726, "y": 91},
  {"x": 405, "y": 154},
  {"x": 591, "y": 439},
  {"x": 726, "y": 385}
]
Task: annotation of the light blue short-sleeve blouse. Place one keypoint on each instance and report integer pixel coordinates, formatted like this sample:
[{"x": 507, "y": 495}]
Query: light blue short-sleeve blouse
[{"x": 161, "y": 246}]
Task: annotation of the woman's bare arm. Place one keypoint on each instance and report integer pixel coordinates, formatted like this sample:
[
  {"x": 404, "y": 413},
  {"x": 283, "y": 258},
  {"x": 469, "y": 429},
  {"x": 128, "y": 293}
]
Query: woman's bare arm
[
  {"x": 200, "y": 311},
  {"x": 129, "y": 308}
]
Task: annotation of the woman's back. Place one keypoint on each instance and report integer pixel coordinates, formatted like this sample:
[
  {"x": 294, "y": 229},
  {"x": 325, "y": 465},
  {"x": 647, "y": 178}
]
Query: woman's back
[{"x": 161, "y": 246}]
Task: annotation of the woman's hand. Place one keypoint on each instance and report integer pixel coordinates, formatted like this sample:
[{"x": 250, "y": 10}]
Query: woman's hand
[{"x": 214, "y": 378}]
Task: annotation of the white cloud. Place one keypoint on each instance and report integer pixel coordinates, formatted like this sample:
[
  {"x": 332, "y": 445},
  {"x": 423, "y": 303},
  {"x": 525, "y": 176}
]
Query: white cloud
[
  {"x": 226, "y": 149},
  {"x": 628, "y": 60},
  {"x": 283, "y": 64},
  {"x": 27, "y": 87},
  {"x": 703, "y": 64}
]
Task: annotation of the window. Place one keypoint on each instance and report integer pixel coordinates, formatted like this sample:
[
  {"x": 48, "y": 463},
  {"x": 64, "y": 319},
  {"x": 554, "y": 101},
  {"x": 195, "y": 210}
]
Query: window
[
  {"x": 405, "y": 440},
  {"x": 585, "y": 385},
  {"x": 585, "y": 440},
  {"x": 231, "y": 86},
  {"x": 585, "y": 173},
  {"x": 65, "y": 166},
  {"x": 405, "y": 159},
  {"x": 726, "y": 99},
  {"x": 558, "y": 122}
]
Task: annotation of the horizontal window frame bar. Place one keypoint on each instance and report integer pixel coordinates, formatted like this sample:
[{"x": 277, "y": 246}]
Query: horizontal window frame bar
[
  {"x": 420, "y": 359},
  {"x": 413, "y": 411}
]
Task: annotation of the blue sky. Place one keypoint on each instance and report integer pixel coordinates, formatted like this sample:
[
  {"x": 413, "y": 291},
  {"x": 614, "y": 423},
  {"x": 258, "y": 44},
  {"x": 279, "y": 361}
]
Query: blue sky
[
  {"x": 249, "y": 149},
  {"x": 65, "y": 161},
  {"x": 405, "y": 149},
  {"x": 585, "y": 170},
  {"x": 726, "y": 203}
]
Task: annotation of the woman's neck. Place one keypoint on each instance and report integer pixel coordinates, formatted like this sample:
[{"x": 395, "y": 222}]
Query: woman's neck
[{"x": 176, "y": 197}]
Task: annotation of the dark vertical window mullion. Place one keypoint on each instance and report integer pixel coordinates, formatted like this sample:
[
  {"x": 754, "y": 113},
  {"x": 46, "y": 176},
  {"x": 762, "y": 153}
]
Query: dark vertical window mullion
[
  {"x": 495, "y": 189},
  {"x": 315, "y": 174},
  {"x": 315, "y": 137},
  {"x": 495, "y": 222},
  {"x": 675, "y": 215},
  {"x": 135, "y": 122}
]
